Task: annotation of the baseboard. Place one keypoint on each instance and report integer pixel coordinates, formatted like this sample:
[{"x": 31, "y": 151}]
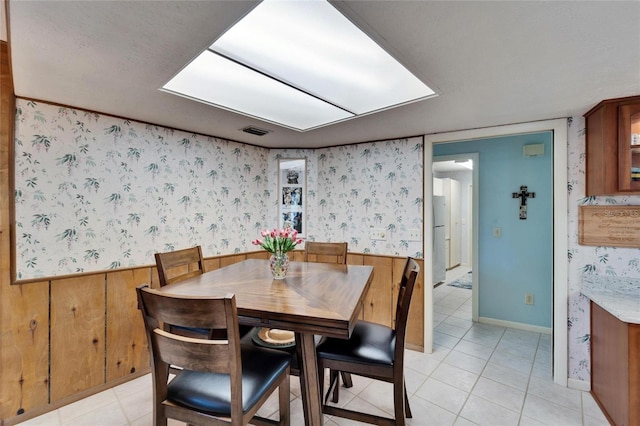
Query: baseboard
[
  {"x": 579, "y": 385},
  {"x": 517, "y": 325}
]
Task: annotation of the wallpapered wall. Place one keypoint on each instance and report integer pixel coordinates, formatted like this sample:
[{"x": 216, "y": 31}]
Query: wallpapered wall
[
  {"x": 373, "y": 185},
  {"x": 95, "y": 192}
]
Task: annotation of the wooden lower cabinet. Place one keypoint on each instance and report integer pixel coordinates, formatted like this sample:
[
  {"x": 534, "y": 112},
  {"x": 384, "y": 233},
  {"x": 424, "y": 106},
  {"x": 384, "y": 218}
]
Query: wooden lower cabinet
[
  {"x": 95, "y": 337},
  {"x": 615, "y": 367}
]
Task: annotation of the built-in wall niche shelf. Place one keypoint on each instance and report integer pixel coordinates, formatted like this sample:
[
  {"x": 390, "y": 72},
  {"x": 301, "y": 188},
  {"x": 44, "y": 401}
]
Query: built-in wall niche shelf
[{"x": 610, "y": 226}]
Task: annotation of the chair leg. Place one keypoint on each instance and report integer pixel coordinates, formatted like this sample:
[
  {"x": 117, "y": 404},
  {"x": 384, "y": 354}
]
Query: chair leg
[
  {"x": 407, "y": 409},
  {"x": 284, "y": 395},
  {"x": 333, "y": 386},
  {"x": 398, "y": 402},
  {"x": 336, "y": 388},
  {"x": 346, "y": 379}
]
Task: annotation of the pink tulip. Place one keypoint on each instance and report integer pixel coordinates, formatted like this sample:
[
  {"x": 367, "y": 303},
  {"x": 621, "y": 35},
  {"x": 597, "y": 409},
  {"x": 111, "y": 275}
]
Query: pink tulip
[
  {"x": 299, "y": 241},
  {"x": 264, "y": 233},
  {"x": 294, "y": 235},
  {"x": 274, "y": 233}
]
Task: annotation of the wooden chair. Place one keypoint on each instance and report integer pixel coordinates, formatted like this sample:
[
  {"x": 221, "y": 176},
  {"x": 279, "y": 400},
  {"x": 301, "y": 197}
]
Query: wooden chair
[
  {"x": 321, "y": 252},
  {"x": 222, "y": 382},
  {"x": 178, "y": 265},
  {"x": 325, "y": 252},
  {"x": 374, "y": 351}
]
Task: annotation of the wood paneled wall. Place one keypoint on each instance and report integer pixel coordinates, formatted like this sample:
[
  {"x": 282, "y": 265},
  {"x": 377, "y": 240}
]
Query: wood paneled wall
[{"x": 96, "y": 338}]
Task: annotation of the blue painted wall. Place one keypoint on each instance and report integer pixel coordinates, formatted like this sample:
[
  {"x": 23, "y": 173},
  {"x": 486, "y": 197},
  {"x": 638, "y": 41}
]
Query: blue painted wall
[{"x": 520, "y": 260}]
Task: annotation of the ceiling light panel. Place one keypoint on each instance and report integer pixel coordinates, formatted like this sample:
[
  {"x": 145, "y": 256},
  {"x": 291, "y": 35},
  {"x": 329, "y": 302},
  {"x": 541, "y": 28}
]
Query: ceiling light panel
[
  {"x": 313, "y": 46},
  {"x": 217, "y": 81},
  {"x": 300, "y": 64}
]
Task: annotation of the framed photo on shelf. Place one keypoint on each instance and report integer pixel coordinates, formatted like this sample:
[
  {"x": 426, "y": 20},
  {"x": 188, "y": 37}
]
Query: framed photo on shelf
[{"x": 292, "y": 179}]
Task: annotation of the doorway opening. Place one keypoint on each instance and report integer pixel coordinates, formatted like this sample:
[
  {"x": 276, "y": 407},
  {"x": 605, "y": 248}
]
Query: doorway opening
[
  {"x": 558, "y": 128},
  {"x": 455, "y": 179}
]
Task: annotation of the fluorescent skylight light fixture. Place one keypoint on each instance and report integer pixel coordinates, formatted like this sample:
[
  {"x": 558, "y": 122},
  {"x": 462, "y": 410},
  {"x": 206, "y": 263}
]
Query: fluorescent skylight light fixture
[{"x": 298, "y": 64}]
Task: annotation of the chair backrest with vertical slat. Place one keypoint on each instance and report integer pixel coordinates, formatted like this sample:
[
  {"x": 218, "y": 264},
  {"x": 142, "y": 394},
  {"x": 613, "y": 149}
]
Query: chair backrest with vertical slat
[
  {"x": 196, "y": 354},
  {"x": 179, "y": 265},
  {"x": 405, "y": 291},
  {"x": 320, "y": 252}
]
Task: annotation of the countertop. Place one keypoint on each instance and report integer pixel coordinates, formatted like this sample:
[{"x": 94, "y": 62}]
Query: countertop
[{"x": 619, "y": 296}]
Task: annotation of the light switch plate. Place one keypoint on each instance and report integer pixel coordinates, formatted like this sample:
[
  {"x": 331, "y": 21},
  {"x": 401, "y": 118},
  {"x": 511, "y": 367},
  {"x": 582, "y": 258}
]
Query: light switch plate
[
  {"x": 414, "y": 235},
  {"x": 378, "y": 234}
]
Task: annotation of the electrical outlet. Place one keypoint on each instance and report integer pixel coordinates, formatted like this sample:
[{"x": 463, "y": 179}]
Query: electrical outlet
[
  {"x": 377, "y": 234},
  {"x": 414, "y": 235},
  {"x": 528, "y": 299}
]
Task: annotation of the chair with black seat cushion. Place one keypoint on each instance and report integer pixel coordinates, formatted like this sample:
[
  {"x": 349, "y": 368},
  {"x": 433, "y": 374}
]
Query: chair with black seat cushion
[
  {"x": 324, "y": 252},
  {"x": 222, "y": 381},
  {"x": 178, "y": 265},
  {"x": 375, "y": 351}
]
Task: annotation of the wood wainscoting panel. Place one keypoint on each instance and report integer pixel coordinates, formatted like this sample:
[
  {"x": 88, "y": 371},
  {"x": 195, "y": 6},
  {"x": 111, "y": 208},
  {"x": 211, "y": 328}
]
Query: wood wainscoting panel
[
  {"x": 93, "y": 343},
  {"x": 77, "y": 334},
  {"x": 127, "y": 349},
  {"x": 211, "y": 264},
  {"x": 377, "y": 304},
  {"x": 293, "y": 255},
  {"x": 356, "y": 259},
  {"x": 24, "y": 348},
  {"x": 230, "y": 260}
]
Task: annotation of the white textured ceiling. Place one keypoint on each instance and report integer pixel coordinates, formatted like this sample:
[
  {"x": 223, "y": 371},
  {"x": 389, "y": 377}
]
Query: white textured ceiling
[{"x": 492, "y": 63}]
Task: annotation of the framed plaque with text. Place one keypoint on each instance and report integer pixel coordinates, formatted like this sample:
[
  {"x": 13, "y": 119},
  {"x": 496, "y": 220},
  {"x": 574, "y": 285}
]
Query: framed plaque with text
[{"x": 610, "y": 226}]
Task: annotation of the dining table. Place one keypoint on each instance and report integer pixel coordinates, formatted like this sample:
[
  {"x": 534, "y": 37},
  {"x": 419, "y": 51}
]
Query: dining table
[{"x": 313, "y": 299}]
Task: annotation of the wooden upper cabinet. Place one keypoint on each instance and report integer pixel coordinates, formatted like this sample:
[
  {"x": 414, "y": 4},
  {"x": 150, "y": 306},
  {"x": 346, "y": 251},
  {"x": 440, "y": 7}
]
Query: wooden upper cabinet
[{"x": 613, "y": 147}]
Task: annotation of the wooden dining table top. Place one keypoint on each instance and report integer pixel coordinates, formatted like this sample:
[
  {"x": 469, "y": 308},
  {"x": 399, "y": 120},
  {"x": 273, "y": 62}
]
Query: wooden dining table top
[{"x": 321, "y": 298}]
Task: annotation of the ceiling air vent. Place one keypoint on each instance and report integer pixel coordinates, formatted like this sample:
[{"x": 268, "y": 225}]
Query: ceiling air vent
[{"x": 255, "y": 131}]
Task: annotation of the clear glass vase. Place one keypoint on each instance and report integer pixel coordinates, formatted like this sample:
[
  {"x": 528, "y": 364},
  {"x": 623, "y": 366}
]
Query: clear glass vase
[{"x": 279, "y": 264}]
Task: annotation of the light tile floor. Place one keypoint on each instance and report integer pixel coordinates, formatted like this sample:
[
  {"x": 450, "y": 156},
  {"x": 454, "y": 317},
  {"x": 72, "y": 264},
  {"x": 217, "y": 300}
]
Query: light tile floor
[{"x": 477, "y": 374}]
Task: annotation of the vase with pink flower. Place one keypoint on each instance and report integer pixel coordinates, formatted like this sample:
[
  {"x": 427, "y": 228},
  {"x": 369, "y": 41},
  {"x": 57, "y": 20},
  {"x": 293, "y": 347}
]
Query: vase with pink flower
[{"x": 278, "y": 243}]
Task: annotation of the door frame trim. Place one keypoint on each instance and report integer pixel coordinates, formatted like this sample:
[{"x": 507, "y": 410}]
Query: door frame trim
[{"x": 559, "y": 127}]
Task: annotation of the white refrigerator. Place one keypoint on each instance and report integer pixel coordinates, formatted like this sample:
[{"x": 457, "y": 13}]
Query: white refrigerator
[{"x": 439, "y": 255}]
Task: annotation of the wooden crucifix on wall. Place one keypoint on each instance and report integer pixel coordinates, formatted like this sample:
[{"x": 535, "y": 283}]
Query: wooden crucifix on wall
[{"x": 523, "y": 195}]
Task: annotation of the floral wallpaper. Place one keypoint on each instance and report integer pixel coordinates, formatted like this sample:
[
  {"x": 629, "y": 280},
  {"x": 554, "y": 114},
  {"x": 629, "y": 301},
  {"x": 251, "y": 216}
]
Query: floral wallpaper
[
  {"x": 612, "y": 261},
  {"x": 353, "y": 188},
  {"x": 95, "y": 192}
]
